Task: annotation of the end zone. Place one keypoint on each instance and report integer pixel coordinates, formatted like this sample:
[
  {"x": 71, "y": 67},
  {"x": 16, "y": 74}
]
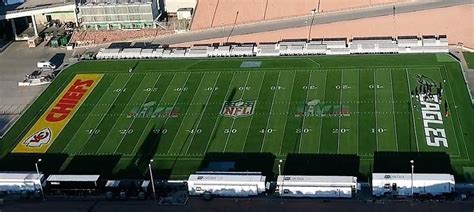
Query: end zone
[{"x": 43, "y": 133}]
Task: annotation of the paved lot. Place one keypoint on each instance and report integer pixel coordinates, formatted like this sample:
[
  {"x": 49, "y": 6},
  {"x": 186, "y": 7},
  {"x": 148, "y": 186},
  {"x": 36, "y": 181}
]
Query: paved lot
[
  {"x": 16, "y": 61},
  {"x": 248, "y": 205}
]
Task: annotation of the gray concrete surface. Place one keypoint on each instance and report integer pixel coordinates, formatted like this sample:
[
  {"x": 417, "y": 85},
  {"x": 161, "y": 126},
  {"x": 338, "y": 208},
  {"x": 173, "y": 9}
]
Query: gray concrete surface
[
  {"x": 303, "y": 21},
  {"x": 242, "y": 204},
  {"x": 16, "y": 61}
]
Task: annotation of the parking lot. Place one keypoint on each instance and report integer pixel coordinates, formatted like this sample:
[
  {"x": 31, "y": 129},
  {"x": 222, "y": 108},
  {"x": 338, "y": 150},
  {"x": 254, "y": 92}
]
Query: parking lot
[{"x": 15, "y": 62}]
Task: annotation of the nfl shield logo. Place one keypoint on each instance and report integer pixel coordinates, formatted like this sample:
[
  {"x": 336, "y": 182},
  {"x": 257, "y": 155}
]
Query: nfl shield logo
[{"x": 238, "y": 108}]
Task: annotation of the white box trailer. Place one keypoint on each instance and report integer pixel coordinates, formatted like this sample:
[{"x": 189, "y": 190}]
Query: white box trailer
[
  {"x": 226, "y": 185},
  {"x": 316, "y": 186},
  {"x": 400, "y": 184},
  {"x": 19, "y": 182}
]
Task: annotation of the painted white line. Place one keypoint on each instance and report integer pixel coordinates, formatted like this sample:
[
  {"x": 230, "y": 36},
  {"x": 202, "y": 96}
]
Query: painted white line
[
  {"x": 322, "y": 118},
  {"x": 412, "y": 110},
  {"x": 90, "y": 115},
  {"x": 233, "y": 120},
  {"x": 229, "y": 89},
  {"x": 340, "y": 106},
  {"x": 271, "y": 107},
  {"x": 393, "y": 109},
  {"x": 187, "y": 110},
  {"x": 457, "y": 114},
  {"x": 203, "y": 112},
  {"x": 135, "y": 117},
  {"x": 376, "y": 112},
  {"x": 304, "y": 115},
  {"x": 287, "y": 113},
  {"x": 150, "y": 119},
  {"x": 251, "y": 120}
]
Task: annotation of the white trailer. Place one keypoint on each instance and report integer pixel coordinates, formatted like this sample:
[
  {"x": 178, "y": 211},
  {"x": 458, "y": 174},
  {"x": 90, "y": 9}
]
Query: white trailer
[
  {"x": 20, "y": 182},
  {"x": 227, "y": 185},
  {"x": 316, "y": 186},
  {"x": 400, "y": 184}
]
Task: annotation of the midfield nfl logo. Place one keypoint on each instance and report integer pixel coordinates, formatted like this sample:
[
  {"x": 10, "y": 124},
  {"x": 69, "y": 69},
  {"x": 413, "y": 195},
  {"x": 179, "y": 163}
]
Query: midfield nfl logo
[{"x": 238, "y": 108}]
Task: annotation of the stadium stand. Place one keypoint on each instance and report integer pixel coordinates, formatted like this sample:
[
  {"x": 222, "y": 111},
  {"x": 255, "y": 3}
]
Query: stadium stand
[{"x": 332, "y": 46}]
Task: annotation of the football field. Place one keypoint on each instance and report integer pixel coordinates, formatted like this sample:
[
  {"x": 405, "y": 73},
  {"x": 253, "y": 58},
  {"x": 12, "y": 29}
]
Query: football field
[{"x": 177, "y": 111}]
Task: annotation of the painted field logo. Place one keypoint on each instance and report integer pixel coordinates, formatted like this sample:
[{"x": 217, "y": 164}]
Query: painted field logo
[
  {"x": 151, "y": 110},
  {"x": 238, "y": 108},
  {"x": 430, "y": 97},
  {"x": 41, "y": 137},
  {"x": 315, "y": 108},
  {"x": 47, "y": 128}
]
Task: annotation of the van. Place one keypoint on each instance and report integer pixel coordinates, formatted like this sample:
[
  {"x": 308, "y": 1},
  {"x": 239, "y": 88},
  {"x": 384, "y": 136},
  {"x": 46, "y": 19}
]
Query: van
[{"x": 45, "y": 65}]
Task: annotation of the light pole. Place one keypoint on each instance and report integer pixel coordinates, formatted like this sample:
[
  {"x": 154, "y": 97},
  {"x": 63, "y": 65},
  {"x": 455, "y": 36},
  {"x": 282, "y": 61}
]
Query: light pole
[
  {"x": 38, "y": 173},
  {"x": 279, "y": 167},
  {"x": 313, "y": 12},
  {"x": 152, "y": 181},
  {"x": 412, "y": 170}
]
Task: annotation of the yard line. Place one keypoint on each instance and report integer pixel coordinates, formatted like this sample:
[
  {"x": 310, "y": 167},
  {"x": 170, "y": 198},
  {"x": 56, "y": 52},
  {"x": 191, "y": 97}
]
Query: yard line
[
  {"x": 187, "y": 110},
  {"x": 135, "y": 117},
  {"x": 457, "y": 115},
  {"x": 322, "y": 119},
  {"x": 215, "y": 123},
  {"x": 90, "y": 114},
  {"x": 150, "y": 119},
  {"x": 251, "y": 119},
  {"x": 233, "y": 120},
  {"x": 375, "y": 107},
  {"x": 204, "y": 110},
  {"x": 104, "y": 115},
  {"x": 393, "y": 109},
  {"x": 340, "y": 106},
  {"x": 412, "y": 112},
  {"x": 357, "y": 110},
  {"x": 115, "y": 123},
  {"x": 271, "y": 107},
  {"x": 286, "y": 117},
  {"x": 304, "y": 116}
]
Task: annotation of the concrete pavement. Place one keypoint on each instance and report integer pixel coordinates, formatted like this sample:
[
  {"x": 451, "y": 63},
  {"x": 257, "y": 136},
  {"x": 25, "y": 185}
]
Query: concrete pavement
[{"x": 303, "y": 21}]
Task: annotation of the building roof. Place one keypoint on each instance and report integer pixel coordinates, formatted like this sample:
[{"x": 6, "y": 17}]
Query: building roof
[
  {"x": 226, "y": 178},
  {"x": 18, "y": 176},
  {"x": 317, "y": 179},
  {"x": 416, "y": 176},
  {"x": 73, "y": 178},
  {"x": 105, "y": 2}
]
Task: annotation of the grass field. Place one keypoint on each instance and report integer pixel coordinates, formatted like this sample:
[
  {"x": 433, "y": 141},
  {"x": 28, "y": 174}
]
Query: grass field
[
  {"x": 172, "y": 111},
  {"x": 469, "y": 56}
]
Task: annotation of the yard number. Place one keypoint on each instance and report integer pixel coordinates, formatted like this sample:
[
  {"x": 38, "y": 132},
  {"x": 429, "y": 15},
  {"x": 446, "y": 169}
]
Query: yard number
[
  {"x": 119, "y": 90},
  {"x": 304, "y": 130},
  {"x": 379, "y": 130},
  {"x": 310, "y": 87},
  {"x": 276, "y": 87},
  {"x": 375, "y": 86},
  {"x": 342, "y": 86},
  {"x": 269, "y": 130},
  {"x": 91, "y": 131},
  {"x": 241, "y": 88},
  {"x": 126, "y": 131},
  {"x": 336, "y": 130},
  {"x": 181, "y": 89},
  {"x": 211, "y": 89},
  {"x": 227, "y": 131},
  {"x": 158, "y": 131},
  {"x": 194, "y": 131}
]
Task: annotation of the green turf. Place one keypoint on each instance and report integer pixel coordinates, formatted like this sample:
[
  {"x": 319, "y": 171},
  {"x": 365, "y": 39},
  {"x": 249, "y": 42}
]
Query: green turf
[
  {"x": 469, "y": 57},
  {"x": 375, "y": 90}
]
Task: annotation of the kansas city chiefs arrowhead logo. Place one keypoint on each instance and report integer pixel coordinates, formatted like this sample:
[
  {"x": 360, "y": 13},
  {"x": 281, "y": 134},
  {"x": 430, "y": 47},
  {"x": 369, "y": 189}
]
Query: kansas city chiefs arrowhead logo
[{"x": 39, "y": 138}]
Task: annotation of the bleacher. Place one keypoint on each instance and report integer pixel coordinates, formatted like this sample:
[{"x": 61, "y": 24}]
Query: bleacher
[{"x": 327, "y": 46}]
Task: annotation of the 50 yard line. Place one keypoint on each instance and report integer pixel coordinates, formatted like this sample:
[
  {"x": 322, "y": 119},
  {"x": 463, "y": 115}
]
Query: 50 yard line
[{"x": 233, "y": 120}]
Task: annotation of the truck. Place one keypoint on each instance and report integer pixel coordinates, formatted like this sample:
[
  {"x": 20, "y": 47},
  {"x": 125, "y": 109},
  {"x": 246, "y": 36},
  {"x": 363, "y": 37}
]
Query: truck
[{"x": 45, "y": 65}]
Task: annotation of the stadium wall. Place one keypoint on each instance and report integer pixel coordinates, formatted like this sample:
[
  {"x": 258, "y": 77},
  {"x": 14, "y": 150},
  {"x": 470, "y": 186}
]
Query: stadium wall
[
  {"x": 456, "y": 22},
  {"x": 216, "y": 13}
]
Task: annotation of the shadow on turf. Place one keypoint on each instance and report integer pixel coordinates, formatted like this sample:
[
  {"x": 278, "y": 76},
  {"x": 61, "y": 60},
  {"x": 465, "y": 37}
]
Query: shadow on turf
[
  {"x": 50, "y": 162},
  {"x": 321, "y": 164},
  {"x": 241, "y": 162},
  {"x": 399, "y": 162}
]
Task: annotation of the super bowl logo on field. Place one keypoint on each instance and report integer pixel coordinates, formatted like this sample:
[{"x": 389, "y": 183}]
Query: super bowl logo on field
[
  {"x": 238, "y": 108},
  {"x": 39, "y": 138}
]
